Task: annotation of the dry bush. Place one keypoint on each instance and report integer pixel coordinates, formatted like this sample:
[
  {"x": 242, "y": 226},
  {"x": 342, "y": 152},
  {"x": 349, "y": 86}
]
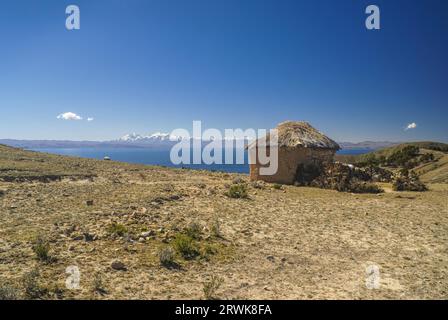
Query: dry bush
[
  {"x": 166, "y": 257},
  {"x": 41, "y": 248},
  {"x": 9, "y": 292},
  {"x": 211, "y": 287},
  {"x": 237, "y": 191},
  {"x": 185, "y": 246},
  {"x": 33, "y": 289},
  {"x": 117, "y": 229}
]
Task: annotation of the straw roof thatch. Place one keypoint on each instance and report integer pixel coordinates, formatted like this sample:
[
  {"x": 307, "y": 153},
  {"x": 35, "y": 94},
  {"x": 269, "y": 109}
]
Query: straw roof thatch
[{"x": 296, "y": 134}]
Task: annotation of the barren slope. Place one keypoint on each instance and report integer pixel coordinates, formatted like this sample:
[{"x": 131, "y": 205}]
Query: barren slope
[{"x": 295, "y": 243}]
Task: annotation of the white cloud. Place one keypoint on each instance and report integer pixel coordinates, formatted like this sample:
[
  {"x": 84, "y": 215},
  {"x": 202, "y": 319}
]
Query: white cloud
[
  {"x": 412, "y": 125},
  {"x": 90, "y": 119},
  {"x": 69, "y": 116}
]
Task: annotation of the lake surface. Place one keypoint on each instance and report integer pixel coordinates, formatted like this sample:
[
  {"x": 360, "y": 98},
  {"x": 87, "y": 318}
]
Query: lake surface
[{"x": 159, "y": 157}]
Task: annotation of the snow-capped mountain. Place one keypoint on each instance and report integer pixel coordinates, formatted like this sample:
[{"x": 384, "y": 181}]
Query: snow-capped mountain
[
  {"x": 131, "y": 137},
  {"x": 159, "y": 136},
  {"x": 155, "y": 137}
]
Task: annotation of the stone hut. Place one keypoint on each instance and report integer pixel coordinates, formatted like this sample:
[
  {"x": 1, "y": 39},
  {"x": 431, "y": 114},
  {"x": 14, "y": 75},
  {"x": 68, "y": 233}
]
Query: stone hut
[{"x": 300, "y": 146}]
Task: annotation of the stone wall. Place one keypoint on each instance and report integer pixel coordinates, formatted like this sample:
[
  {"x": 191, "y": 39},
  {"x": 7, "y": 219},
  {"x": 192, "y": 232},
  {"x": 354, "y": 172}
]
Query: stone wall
[{"x": 288, "y": 161}]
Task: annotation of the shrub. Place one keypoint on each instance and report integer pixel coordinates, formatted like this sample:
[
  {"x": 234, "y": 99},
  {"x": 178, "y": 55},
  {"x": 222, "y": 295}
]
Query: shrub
[
  {"x": 166, "y": 257},
  {"x": 98, "y": 284},
  {"x": 277, "y": 186},
  {"x": 216, "y": 228},
  {"x": 209, "y": 250},
  {"x": 117, "y": 229},
  {"x": 193, "y": 230},
  {"x": 427, "y": 157},
  {"x": 403, "y": 157},
  {"x": 8, "y": 292},
  {"x": 211, "y": 287},
  {"x": 42, "y": 248},
  {"x": 409, "y": 183},
  {"x": 237, "y": 191},
  {"x": 185, "y": 246},
  {"x": 33, "y": 290}
]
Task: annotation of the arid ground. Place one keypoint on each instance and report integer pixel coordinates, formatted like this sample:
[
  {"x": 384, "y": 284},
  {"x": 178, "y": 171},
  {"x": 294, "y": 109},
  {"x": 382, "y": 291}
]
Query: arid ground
[{"x": 281, "y": 243}]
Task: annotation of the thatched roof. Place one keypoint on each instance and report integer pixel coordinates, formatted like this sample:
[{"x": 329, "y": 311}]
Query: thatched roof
[{"x": 296, "y": 134}]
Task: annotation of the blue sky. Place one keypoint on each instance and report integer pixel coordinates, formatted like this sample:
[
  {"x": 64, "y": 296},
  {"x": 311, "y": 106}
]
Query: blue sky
[{"x": 145, "y": 66}]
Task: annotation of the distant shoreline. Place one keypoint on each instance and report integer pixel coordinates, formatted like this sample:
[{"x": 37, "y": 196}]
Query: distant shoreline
[{"x": 156, "y": 157}]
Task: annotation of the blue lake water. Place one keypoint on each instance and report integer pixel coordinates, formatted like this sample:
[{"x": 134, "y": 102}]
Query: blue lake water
[{"x": 158, "y": 157}]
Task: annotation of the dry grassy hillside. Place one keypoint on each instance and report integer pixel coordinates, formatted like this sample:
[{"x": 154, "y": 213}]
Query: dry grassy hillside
[
  {"x": 112, "y": 221},
  {"x": 435, "y": 171}
]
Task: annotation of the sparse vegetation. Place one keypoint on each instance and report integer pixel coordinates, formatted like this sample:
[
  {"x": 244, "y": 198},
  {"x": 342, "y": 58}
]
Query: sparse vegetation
[
  {"x": 237, "y": 191},
  {"x": 33, "y": 289},
  {"x": 277, "y": 186},
  {"x": 215, "y": 228},
  {"x": 185, "y": 246},
  {"x": 9, "y": 292},
  {"x": 408, "y": 181},
  {"x": 427, "y": 157},
  {"x": 117, "y": 229},
  {"x": 166, "y": 257},
  {"x": 361, "y": 187},
  {"x": 98, "y": 284},
  {"x": 209, "y": 250},
  {"x": 211, "y": 287},
  {"x": 251, "y": 231},
  {"x": 193, "y": 231},
  {"x": 41, "y": 248},
  {"x": 343, "y": 178}
]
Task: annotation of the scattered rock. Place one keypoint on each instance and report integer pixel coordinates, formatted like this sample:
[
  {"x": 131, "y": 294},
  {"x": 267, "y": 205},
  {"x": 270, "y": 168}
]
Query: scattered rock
[
  {"x": 143, "y": 210},
  {"x": 78, "y": 237},
  {"x": 258, "y": 185},
  {"x": 118, "y": 265},
  {"x": 174, "y": 197},
  {"x": 238, "y": 180},
  {"x": 147, "y": 234},
  {"x": 89, "y": 237}
]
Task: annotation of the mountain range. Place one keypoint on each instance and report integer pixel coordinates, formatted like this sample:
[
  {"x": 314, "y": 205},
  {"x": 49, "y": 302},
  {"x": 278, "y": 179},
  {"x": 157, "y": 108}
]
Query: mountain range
[{"x": 155, "y": 140}]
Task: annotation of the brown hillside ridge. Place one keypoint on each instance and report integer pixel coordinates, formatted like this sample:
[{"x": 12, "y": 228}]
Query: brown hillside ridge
[
  {"x": 299, "y": 144},
  {"x": 146, "y": 232}
]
